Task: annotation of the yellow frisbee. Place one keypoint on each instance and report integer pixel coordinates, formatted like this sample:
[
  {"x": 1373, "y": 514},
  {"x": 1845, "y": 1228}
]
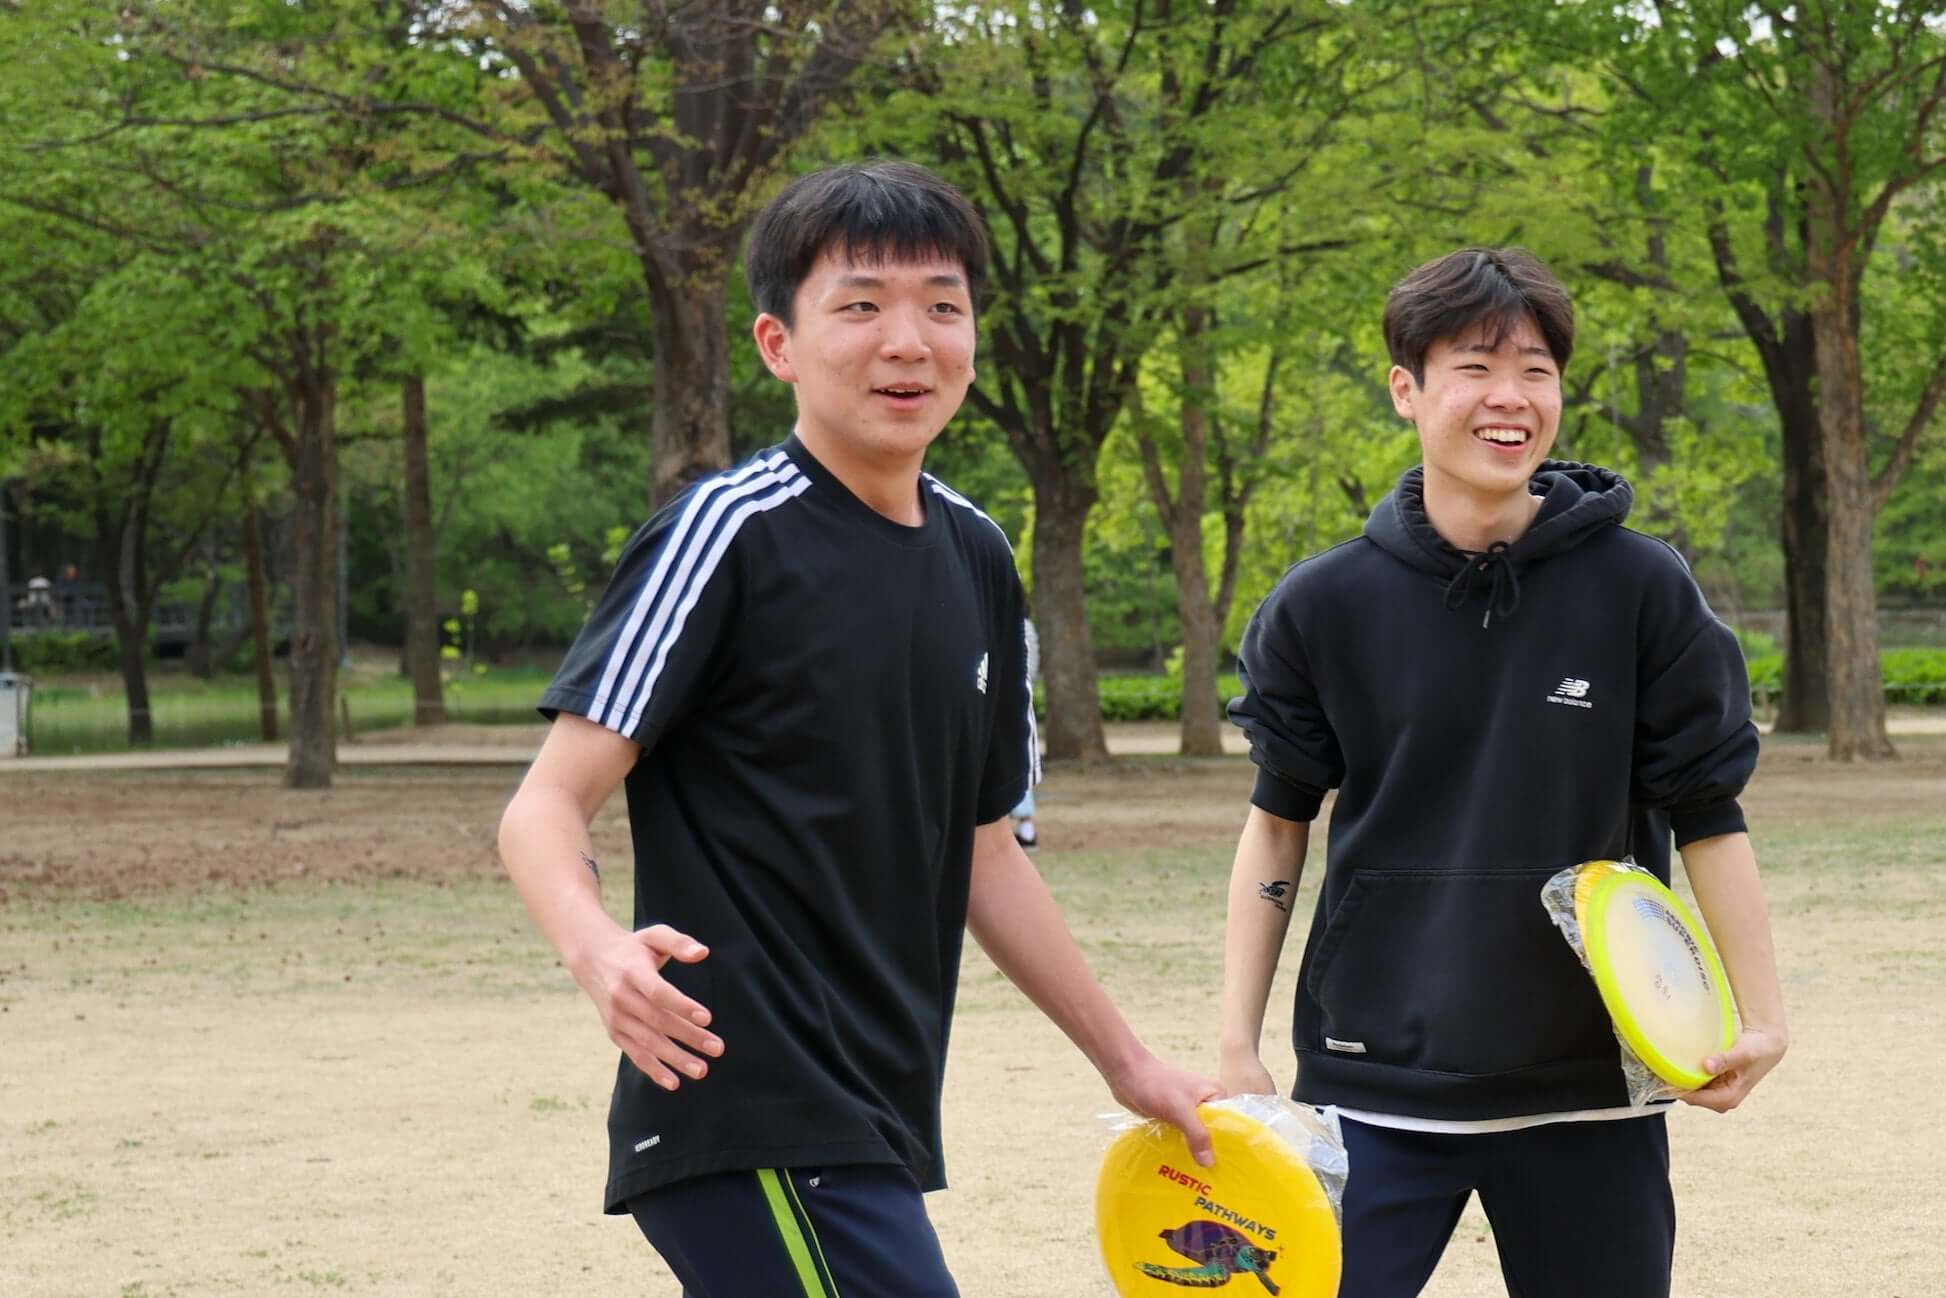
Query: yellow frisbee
[
  {"x": 1258, "y": 1222},
  {"x": 1658, "y": 974}
]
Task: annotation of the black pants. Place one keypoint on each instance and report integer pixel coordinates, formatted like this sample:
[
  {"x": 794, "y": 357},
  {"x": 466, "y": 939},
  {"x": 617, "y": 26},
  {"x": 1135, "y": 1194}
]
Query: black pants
[
  {"x": 860, "y": 1232},
  {"x": 1579, "y": 1209}
]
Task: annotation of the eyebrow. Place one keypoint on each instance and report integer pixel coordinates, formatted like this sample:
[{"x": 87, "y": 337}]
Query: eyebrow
[
  {"x": 1483, "y": 349},
  {"x": 873, "y": 281}
]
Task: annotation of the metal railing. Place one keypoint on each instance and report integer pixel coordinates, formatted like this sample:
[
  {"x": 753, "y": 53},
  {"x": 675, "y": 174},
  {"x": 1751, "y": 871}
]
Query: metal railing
[{"x": 83, "y": 606}]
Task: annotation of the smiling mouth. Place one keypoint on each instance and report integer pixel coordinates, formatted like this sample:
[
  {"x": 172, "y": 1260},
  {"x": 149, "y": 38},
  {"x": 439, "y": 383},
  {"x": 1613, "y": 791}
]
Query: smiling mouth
[
  {"x": 1504, "y": 436},
  {"x": 902, "y": 391}
]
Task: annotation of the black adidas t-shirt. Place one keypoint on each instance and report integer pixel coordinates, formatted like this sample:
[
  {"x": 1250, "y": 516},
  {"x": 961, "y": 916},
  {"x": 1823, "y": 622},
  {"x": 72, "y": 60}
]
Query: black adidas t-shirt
[{"x": 828, "y": 703}]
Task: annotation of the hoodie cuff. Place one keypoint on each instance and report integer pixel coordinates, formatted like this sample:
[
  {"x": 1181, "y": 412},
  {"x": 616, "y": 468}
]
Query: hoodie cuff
[
  {"x": 1285, "y": 800},
  {"x": 1706, "y": 821}
]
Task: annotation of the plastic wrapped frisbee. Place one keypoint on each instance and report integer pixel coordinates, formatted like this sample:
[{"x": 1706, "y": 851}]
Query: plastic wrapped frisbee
[
  {"x": 1264, "y": 1219},
  {"x": 1656, "y": 970}
]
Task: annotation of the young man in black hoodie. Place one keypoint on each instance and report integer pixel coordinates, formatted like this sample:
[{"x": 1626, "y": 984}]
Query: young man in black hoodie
[{"x": 1500, "y": 681}]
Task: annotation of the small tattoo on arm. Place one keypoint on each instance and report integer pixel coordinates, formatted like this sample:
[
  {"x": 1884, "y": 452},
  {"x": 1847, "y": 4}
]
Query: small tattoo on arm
[
  {"x": 593, "y": 868},
  {"x": 1274, "y": 891}
]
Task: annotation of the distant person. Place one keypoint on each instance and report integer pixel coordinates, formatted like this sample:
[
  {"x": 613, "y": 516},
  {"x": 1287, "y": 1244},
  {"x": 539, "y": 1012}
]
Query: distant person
[
  {"x": 1500, "y": 681},
  {"x": 1023, "y": 812},
  {"x": 69, "y": 593},
  {"x": 810, "y": 675},
  {"x": 39, "y": 603}
]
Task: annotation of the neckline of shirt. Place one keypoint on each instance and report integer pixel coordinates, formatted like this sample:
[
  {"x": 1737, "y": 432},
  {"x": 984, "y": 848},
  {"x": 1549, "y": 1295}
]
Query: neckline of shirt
[{"x": 826, "y": 486}]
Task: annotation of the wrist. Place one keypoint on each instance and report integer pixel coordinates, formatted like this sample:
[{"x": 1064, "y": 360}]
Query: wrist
[
  {"x": 1237, "y": 1048},
  {"x": 1121, "y": 1060},
  {"x": 580, "y": 948}
]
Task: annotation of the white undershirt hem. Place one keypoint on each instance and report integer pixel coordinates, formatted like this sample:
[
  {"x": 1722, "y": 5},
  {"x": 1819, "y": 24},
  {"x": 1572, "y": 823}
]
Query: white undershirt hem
[{"x": 1485, "y": 1126}]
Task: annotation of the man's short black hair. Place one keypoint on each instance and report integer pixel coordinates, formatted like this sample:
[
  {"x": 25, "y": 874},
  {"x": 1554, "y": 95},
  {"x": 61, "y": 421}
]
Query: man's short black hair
[
  {"x": 1489, "y": 288},
  {"x": 867, "y": 212}
]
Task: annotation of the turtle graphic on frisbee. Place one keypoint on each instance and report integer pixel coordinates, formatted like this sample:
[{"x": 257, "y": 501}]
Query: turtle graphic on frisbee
[
  {"x": 1267, "y": 1211},
  {"x": 1221, "y": 1251}
]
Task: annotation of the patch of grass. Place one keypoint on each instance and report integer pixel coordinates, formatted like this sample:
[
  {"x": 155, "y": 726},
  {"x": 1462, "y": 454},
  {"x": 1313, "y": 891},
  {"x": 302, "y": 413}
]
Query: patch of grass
[
  {"x": 66, "y": 1204},
  {"x": 91, "y": 715},
  {"x": 324, "y": 1279},
  {"x": 467, "y": 939}
]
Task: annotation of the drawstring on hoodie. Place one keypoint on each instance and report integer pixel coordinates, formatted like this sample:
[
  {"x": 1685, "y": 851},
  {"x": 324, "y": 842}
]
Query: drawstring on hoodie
[{"x": 1504, "y": 597}]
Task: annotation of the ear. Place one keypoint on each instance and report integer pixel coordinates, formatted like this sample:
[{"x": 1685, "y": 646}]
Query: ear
[
  {"x": 774, "y": 345},
  {"x": 1404, "y": 390}
]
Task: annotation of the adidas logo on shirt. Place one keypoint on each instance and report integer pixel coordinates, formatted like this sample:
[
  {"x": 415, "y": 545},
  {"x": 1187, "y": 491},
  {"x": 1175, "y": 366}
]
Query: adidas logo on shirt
[
  {"x": 1571, "y": 692},
  {"x": 980, "y": 674}
]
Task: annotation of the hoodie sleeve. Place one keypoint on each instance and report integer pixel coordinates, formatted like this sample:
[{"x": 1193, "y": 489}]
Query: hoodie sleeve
[
  {"x": 1695, "y": 746},
  {"x": 1291, "y": 740}
]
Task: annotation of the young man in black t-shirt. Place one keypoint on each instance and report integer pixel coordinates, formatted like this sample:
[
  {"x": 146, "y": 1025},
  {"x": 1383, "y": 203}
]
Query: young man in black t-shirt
[{"x": 810, "y": 675}]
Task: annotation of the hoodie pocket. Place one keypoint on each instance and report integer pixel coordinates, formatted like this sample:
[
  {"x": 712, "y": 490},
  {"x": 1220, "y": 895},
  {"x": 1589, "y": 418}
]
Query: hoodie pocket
[{"x": 1455, "y": 971}]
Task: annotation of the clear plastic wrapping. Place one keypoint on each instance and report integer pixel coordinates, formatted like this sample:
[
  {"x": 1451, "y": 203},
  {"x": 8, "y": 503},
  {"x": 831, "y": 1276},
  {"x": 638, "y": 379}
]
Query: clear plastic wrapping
[{"x": 1565, "y": 896}]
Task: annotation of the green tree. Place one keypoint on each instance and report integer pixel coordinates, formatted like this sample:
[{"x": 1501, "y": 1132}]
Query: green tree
[
  {"x": 1089, "y": 134},
  {"x": 680, "y": 116},
  {"x": 1817, "y": 123}
]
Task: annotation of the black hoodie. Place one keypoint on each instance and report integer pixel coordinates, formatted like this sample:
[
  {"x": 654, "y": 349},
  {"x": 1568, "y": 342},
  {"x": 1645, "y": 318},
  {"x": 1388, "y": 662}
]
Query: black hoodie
[{"x": 1487, "y": 720}]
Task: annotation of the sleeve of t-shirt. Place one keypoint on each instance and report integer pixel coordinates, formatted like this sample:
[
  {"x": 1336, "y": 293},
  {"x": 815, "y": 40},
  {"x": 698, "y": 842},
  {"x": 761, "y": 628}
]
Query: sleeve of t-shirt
[
  {"x": 1291, "y": 739},
  {"x": 656, "y": 633},
  {"x": 1013, "y": 762},
  {"x": 1695, "y": 746}
]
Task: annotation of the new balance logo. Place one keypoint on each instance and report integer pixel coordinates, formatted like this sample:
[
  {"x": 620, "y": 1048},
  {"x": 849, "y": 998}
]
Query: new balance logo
[
  {"x": 1571, "y": 692},
  {"x": 980, "y": 675}
]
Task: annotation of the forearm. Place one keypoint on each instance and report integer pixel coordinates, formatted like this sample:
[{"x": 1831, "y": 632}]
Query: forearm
[
  {"x": 547, "y": 852},
  {"x": 1723, "y": 874},
  {"x": 1263, "y": 883},
  {"x": 1013, "y": 917}
]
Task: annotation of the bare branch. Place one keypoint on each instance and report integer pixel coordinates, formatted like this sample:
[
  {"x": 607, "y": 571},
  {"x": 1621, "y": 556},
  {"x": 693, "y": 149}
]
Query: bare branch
[{"x": 1907, "y": 446}]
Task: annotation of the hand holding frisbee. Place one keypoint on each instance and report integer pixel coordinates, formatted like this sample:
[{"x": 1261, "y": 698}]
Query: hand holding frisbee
[
  {"x": 1656, "y": 969},
  {"x": 1265, "y": 1216}
]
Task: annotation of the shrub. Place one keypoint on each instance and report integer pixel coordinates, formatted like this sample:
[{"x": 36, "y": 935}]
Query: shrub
[
  {"x": 48, "y": 652},
  {"x": 1914, "y": 675},
  {"x": 1910, "y": 675},
  {"x": 1757, "y": 644},
  {"x": 1141, "y": 697}
]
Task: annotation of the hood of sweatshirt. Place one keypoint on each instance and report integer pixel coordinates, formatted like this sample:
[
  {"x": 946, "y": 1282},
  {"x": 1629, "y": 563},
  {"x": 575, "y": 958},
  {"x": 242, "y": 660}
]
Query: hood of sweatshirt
[{"x": 1577, "y": 500}]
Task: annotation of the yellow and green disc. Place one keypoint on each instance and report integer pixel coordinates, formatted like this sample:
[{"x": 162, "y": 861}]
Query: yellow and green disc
[
  {"x": 1256, "y": 1223},
  {"x": 1658, "y": 974}
]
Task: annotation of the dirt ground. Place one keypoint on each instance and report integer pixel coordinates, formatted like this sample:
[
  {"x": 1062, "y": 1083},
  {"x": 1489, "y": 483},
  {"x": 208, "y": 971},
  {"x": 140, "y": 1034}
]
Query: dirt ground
[{"x": 262, "y": 1042}]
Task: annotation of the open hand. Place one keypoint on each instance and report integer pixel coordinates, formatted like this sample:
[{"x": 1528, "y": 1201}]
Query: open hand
[{"x": 662, "y": 1031}]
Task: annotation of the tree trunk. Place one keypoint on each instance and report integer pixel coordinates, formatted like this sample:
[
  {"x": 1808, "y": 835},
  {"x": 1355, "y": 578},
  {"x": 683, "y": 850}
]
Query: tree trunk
[
  {"x": 421, "y": 560},
  {"x": 690, "y": 429},
  {"x": 1851, "y": 602},
  {"x": 1067, "y": 650},
  {"x": 1806, "y": 706},
  {"x": 199, "y": 655},
  {"x": 1201, "y": 727},
  {"x": 6, "y": 591},
  {"x": 1202, "y": 720},
  {"x": 126, "y": 613},
  {"x": 253, "y": 569},
  {"x": 314, "y": 638}
]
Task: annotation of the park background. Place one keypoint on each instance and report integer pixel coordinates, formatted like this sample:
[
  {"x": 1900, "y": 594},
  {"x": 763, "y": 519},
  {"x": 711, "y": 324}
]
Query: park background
[{"x": 342, "y": 341}]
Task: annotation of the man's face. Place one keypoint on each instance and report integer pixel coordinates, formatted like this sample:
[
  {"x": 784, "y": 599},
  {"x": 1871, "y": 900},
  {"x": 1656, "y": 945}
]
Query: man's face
[
  {"x": 881, "y": 353},
  {"x": 1487, "y": 415}
]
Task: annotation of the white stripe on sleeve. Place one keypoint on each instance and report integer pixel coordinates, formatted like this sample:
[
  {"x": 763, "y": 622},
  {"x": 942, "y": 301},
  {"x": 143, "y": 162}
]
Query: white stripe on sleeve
[{"x": 665, "y": 585}]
